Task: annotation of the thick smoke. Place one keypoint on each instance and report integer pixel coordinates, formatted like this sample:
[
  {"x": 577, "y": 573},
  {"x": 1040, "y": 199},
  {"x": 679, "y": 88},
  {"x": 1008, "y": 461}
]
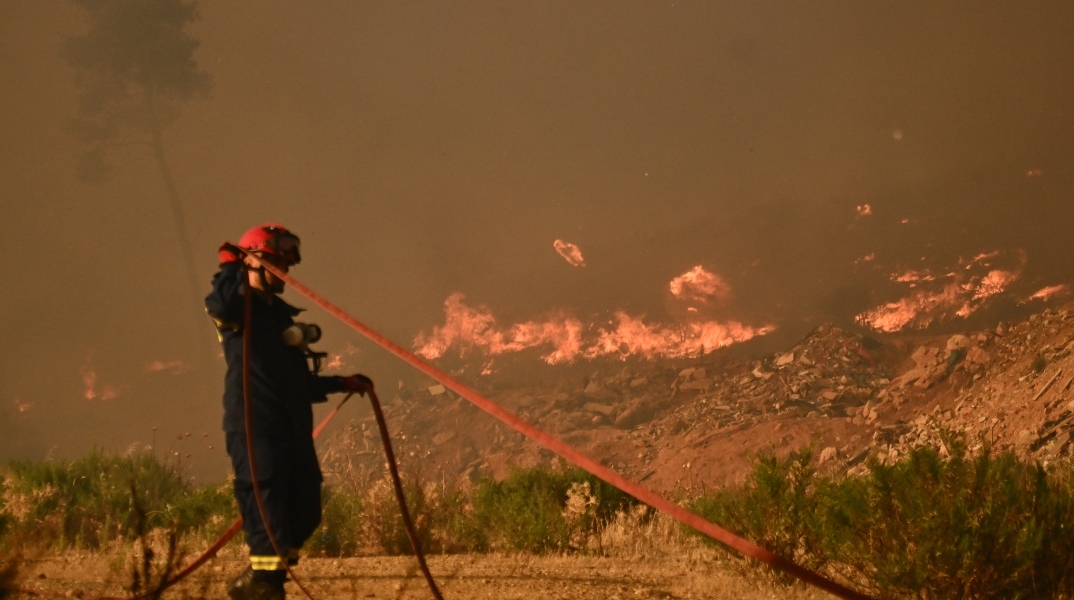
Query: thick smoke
[{"x": 801, "y": 155}]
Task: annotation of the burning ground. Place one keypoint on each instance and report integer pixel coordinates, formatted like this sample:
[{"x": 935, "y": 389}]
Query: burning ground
[{"x": 695, "y": 422}]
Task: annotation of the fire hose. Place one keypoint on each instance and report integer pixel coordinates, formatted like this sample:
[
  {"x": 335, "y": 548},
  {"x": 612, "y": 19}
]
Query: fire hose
[
  {"x": 573, "y": 455},
  {"x": 251, "y": 455},
  {"x": 232, "y": 530},
  {"x": 546, "y": 440},
  {"x": 202, "y": 558}
]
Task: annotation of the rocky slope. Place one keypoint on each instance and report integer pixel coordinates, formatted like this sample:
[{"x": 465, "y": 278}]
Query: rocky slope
[{"x": 695, "y": 424}]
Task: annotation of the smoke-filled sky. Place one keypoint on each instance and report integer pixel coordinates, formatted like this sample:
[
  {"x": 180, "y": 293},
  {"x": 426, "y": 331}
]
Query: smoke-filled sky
[{"x": 427, "y": 148}]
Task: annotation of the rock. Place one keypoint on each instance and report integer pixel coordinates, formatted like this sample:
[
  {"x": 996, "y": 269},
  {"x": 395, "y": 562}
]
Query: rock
[
  {"x": 443, "y": 437},
  {"x": 596, "y": 391},
  {"x": 639, "y": 382},
  {"x": 957, "y": 342},
  {"x": 975, "y": 355},
  {"x": 437, "y": 389},
  {"x": 602, "y": 409},
  {"x": 759, "y": 374},
  {"x": 1001, "y": 329},
  {"x": 1060, "y": 443},
  {"x": 829, "y": 453},
  {"x": 697, "y": 384},
  {"x": 931, "y": 377},
  {"x": 925, "y": 356},
  {"x": 786, "y": 359},
  {"x": 857, "y": 458},
  {"x": 829, "y": 395},
  {"x": 572, "y": 421},
  {"x": 638, "y": 413},
  {"x": 908, "y": 377}
]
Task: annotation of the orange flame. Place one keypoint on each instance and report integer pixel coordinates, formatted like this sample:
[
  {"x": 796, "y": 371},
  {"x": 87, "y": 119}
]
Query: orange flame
[
  {"x": 475, "y": 328},
  {"x": 23, "y": 406},
  {"x": 1046, "y": 293},
  {"x": 570, "y": 253},
  {"x": 963, "y": 295},
  {"x": 467, "y": 328},
  {"x": 337, "y": 361},
  {"x": 864, "y": 210},
  {"x": 633, "y": 337},
  {"x": 89, "y": 380},
  {"x": 913, "y": 277},
  {"x": 699, "y": 284},
  {"x": 994, "y": 283},
  {"x": 172, "y": 367}
]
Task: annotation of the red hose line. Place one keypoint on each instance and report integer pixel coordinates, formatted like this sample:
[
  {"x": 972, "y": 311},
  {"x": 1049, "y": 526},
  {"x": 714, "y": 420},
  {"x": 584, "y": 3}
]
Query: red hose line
[
  {"x": 548, "y": 441},
  {"x": 400, "y": 496},
  {"x": 206, "y": 555},
  {"x": 573, "y": 455}
]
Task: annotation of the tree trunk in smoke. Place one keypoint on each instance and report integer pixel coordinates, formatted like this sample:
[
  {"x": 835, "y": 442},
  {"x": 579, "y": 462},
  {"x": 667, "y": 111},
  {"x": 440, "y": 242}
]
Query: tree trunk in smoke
[
  {"x": 177, "y": 213},
  {"x": 177, "y": 209}
]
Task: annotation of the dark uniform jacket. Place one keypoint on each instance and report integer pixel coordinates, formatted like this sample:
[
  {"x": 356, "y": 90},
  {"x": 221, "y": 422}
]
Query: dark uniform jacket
[{"x": 282, "y": 388}]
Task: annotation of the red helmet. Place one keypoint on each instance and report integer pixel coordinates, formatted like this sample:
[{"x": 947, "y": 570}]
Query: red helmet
[{"x": 271, "y": 238}]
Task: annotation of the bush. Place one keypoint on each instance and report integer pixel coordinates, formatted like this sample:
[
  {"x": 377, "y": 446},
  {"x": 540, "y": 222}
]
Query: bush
[
  {"x": 1039, "y": 364},
  {"x": 540, "y": 510},
  {"x": 355, "y": 521},
  {"x": 202, "y": 511},
  {"x": 451, "y": 520},
  {"x": 383, "y": 522},
  {"x": 927, "y": 526},
  {"x": 954, "y": 527},
  {"x": 88, "y": 502},
  {"x": 774, "y": 509},
  {"x": 340, "y": 533},
  {"x": 5, "y": 518}
]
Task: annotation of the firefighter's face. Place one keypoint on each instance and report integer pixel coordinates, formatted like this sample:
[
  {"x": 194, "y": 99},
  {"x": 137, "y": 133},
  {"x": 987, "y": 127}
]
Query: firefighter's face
[{"x": 271, "y": 283}]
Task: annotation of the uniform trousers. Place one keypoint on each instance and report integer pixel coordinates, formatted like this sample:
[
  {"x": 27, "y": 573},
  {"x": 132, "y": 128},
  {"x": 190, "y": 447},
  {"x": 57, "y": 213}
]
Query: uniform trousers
[{"x": 289, "y": 477}]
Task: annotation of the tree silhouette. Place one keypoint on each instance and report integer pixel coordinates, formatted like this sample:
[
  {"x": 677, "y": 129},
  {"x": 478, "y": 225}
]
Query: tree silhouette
[{"x": 135, "y": 70}]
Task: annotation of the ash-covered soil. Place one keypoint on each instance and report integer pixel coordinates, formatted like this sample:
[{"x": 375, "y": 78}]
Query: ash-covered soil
[
  {"x": 694, "y": 424},
  {"x": 459, "y": 577}
]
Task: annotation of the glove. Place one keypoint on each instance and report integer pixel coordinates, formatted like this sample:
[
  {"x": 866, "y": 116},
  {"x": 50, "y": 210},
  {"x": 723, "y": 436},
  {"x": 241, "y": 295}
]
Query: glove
[
  {"x": 358, "y": 384},
  {"x": 230, "y": 253}
]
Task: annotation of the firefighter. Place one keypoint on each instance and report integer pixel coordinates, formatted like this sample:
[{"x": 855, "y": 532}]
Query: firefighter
[{"x": 283, "y": 387}]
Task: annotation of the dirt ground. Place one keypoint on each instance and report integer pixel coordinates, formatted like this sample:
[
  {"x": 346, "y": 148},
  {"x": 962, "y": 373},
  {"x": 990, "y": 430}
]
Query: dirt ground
[{"x": 459, "y": 576}]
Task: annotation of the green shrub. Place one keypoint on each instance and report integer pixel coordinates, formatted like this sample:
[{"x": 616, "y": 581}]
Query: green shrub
[
  {"x": 528, "y": 511},
  {"x": 202, "y": 511},
  {"x": 88, "y": 502},
  {"x": 774, "y": 508},
  {"x": 955, "y": 527},
  {"x": 1039, "y": 364},
  {"x": 927, "y": 526},
  {"x": 340, "y": 533},
  {"x": 383, "y": 524},
  {"x": 5, "y": 518},
  {"x": 452, "y": 523}
]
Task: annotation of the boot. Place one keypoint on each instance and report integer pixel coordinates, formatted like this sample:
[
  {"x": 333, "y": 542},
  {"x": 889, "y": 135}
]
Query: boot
[{"x": 248, "y": 587}]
